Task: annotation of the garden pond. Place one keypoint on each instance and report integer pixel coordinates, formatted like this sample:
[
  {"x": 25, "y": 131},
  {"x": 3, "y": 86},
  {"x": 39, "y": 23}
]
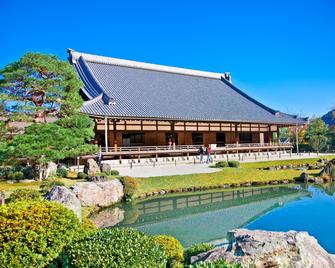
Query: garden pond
[{"x": 207, "y": 216}]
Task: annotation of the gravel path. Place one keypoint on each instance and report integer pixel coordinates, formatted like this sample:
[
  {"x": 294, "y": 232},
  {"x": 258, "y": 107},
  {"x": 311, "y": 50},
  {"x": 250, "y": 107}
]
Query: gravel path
[{"x": 180, "y": 169}]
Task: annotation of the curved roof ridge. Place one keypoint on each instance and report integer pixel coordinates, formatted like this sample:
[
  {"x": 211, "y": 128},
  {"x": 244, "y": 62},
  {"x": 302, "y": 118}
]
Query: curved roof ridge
[
  {"x": 250, "y": 98},
  {"x": 94, "y": 100},
  {"x": 141, "y": 65}
]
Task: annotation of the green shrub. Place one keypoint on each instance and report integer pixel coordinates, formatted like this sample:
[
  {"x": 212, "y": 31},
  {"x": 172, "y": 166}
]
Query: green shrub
[
  {"x": 15, "y": 175},
  {"x": 130, "y": 186},
  {"x": 28, "y": 172},
  {"x": 116, "y": 247},
  {"x": 34, "y": 233},
  {"x": 172, "y": 247},
  {"x": 215, "y": 264},
  {"x": 82, "y": 176},
  {"x": 61, "y": 172},
  {"x": 25, "y": 195},
  {"x": 234, "y": 164},
  {"x": 113, "y": 173},
  {"x": 47, "y": 185},
  {"x": 4, "y": 171},
  {"x": 221, "y": 164},
  {"x": 197, "y": 249}
]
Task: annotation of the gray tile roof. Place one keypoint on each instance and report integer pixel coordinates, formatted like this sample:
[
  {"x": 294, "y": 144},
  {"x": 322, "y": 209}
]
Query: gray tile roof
[{"x": 125, "y": 89}]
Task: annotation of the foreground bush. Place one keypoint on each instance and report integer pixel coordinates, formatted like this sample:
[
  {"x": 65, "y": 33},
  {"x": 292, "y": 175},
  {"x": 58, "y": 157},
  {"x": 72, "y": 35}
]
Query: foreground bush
[
  {"x": 25, "y": 195},
  {"x": 117, "y": 247},
  {"x": 197, "y": 249},
  {"x": 34, "y": 233},
  {"x": 130, "y": 186},
  {"x": 221, "y": 164},
  {"x": 172, "y": 247},
  {"x": 234, "y": 164}
]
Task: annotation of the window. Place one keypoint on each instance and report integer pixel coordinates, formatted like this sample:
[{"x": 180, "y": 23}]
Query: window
[
  {"x": 245, "y": 137},
  {"x": 197, "y": 138},
  {"x": 133, "y": 139},
  {"x": 220, "y": 138}
]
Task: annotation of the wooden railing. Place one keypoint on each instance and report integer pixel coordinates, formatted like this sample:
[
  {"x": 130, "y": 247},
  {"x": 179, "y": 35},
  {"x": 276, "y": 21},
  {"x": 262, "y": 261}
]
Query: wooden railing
[
  {"x": 134, "y": 149},
  {"x": 237, "y": 145}
]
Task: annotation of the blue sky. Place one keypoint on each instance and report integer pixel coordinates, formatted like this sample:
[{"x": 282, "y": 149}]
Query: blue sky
[{"x": 280, "y": 52}]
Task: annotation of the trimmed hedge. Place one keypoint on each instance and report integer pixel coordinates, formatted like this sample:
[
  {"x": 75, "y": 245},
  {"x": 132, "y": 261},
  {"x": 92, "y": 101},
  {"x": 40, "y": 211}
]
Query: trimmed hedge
[
  {"x": 222, "y": 164},
  {"x": 130, "y": 186},
  {"x": 172, "y": 248},
  {"x": 61, "y": 172},
  {"x": 117, "y": 247},
  {"x": 234, "y": 164},
  {"x": 114, "y": 173},
  {"x": 197, "y": 249},
  {"x": 25, "y": 195},
  {"x": 34, "y": 233},
  {"x": 82, "y": 176}
]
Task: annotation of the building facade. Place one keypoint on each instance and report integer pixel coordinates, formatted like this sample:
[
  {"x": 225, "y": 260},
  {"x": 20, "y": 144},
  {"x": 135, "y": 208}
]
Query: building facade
[{"x": 142, "y": 104}]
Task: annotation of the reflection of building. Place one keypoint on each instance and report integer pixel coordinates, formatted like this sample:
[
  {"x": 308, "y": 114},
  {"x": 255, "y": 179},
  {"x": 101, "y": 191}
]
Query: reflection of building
[
  {"x": 208, "y": 216},
  {"x": 138, "y": 104}
]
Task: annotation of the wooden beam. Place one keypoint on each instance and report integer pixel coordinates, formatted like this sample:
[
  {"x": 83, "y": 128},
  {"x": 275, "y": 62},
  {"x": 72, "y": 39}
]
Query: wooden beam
[{"x": 106, "y": 134}]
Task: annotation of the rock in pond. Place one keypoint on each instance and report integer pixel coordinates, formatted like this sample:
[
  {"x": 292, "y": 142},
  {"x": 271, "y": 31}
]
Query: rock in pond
[
  {"x": 63, "y": 195},
  {"x": 91, "y": 167},
  {"x": 102, "y": 194},
  {"x": 107, "y": 217},
  {"x": 262, "y": 249}
]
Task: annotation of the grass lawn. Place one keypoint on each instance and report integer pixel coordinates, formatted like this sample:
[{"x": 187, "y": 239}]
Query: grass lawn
[
  {"x": 226, "y": 176},
  {"x": 247, "y": 173},
  {"x": 285, "y": 162},
  {"x": 9, "y": 188}
]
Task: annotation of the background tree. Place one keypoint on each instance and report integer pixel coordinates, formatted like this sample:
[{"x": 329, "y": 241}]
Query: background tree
[
  {"x": 45, "y": 142},
  {"x": 39, "y": 85},
  {"x": 35, "y": 87},
  {"x": 317, "y": 134}
]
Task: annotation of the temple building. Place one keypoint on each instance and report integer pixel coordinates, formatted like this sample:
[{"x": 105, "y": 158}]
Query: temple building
[{"x": 144, "y": 105}]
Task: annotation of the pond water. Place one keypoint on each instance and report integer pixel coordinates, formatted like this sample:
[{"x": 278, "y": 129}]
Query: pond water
[{"x": 208, "y": 216}]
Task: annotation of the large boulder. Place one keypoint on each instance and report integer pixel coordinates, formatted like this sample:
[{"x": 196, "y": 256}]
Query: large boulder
[
  {"x": 102, "y": 194},
  {"x": 91, "y": 167},
  {"x": 63, "y": 195},
  {"x": 262, "y": 249},
  {"x": 97, "y": 178},
  {"x": 106, "y": 167},
  {"x": 329, "y": 170}
]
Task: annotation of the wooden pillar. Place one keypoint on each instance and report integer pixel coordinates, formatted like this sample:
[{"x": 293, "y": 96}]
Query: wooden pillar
[
  {"x": 185, "y": 134},
  {"x": 236, "y": 134},
  {"x": 270, "y": 134},
  {"x": 106, "y": 134},
  {"x": 114, "y": 134},
  {"x": 278, "y": 139},
  {"x": 173, "y": 135},
  {"x": 156, "y": 133}
]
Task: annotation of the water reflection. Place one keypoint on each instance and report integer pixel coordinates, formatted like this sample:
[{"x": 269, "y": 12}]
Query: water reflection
[{"x": 198, "y": 217}]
